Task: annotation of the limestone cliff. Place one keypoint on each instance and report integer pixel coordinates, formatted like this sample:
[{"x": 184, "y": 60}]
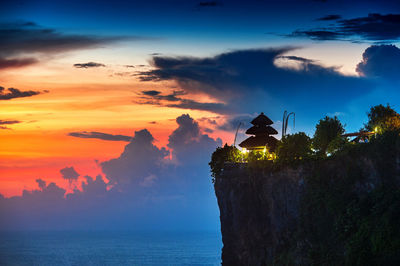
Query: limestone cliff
[{"x": 320, "y": 212}]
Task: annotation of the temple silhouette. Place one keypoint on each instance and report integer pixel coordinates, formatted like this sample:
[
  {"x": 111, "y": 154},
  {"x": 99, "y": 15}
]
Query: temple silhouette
[{"x": 262, "y": 132}]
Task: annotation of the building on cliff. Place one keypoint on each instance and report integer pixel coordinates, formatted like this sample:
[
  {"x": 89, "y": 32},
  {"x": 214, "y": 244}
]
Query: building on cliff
[{"x": 262, "y": 132}]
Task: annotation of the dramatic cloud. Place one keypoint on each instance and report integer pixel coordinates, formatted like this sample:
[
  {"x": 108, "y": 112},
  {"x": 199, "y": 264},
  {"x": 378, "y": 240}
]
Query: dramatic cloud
[
  {"x": 94, "y": 187},
  {"x": 194, "y": 105},
  {"x": 122, "y": 74},
  {"x": 374, "y": 27},
  {"x": 15, "y": 63},
  {"x": 47, "y": 192},
  {"x": 8, "y": 122},
  {"x": 99, "y": 135},
  {"x": 23, "y": 44},
  {"x": 380, "y": 61},
  {"x": 41, "y": 183},
  {"x": 330, "y": 17},
  {"x": 188, "y": 138},
  {"x": 232, "y": 123},
  {"x": 174, "y": 101},
  {"x": 16, "y": 93},
  {"x": 248, "y": 81},
  {"x": 151, "y": 93},
  {"x": 89, "y": 65},
  {"x": 143, "y": 189},
  {"x": 139, "y": 160},
  {"x": 296, "y": 58},
  {"x": 69, "y": 174}
]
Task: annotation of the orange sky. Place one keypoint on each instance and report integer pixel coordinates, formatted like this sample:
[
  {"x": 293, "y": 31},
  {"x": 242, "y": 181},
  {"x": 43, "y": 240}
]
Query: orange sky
[
  {"x": 99, "y": 99},
  {"x": 78, "y": 100}
]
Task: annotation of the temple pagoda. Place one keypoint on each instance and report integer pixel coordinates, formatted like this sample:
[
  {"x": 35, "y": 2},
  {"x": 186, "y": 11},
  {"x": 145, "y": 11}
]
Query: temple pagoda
[{"x": 261, "y": 130}]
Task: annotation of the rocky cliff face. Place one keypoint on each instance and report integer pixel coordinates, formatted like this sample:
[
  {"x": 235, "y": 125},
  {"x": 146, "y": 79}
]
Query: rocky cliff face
[
  {"x": 258, "y": 212},
  {"x": 305, "y": 215}
]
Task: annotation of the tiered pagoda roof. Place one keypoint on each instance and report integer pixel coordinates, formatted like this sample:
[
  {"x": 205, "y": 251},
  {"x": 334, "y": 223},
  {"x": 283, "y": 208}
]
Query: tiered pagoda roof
[{"x": 261, "y": 130}]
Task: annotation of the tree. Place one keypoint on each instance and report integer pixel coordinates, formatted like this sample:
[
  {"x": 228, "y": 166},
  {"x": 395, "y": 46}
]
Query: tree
[
  {"x": 327, "y": 137},
  {"x": 294, "y": 147},
  {"x": 382, "y": 118},
  {"x": 221, "y": 156}
]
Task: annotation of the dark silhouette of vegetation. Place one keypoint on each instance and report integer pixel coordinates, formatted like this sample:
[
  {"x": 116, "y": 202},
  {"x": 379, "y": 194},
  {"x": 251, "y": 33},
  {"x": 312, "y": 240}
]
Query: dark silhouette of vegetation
[
  {"x": 344, "y": 226},
  {"x": 221, "y": 156},
  {"x": 294, "y": 147},
  {"x": 340, "y": 222},
  {"x": 327, "y": 137},
  {"x": 382, "y": 118}
]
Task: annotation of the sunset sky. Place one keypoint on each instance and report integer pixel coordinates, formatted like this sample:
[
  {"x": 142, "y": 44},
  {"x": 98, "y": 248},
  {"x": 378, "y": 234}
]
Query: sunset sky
[{"x": 79, "y": 79}]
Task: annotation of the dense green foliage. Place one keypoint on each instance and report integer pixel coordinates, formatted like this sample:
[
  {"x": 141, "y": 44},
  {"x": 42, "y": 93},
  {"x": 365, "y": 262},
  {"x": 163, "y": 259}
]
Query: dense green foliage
[
  {"x": 344, "y": 218},
  {"x": 230, "y": 154},
  {"x": 294, "y": 147},
  {"x": 221, "y": 156},
  {"x": 382, "y": 118},
  {"x": 327, "y": 137},
  {"x": 346, "y": 226}
]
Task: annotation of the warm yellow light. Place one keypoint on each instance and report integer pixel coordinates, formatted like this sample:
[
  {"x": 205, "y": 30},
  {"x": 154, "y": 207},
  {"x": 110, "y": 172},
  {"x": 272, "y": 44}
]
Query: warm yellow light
[
  {"x": 265, "y": 149},
  {"x": 376, "y": 129},
  {"x": 244, "y": 150}
]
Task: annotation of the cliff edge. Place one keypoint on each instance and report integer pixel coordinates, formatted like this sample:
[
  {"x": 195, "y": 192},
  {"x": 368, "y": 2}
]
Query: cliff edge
[{"x": 342, "y": 210}]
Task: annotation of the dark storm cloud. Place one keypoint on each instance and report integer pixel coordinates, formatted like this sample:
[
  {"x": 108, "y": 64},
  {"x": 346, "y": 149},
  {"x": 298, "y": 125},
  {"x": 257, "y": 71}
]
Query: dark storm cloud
[
  {"x": 51, "y": 193},
  {"x": 12, "y": 93},
  {"x": 140, "y": 159},
  {"x": 374, "y": 27},
  {"x": 296, "y": 58},
  {"x": 89, "y": 65},
  {"x": 23, "y": 44},
  {"x": 232, "y": 123},
  {"x": 248, "y": 81},
  {"x": 194, "y": 105},
  {"x": 19, "y": 38},
  {"x": 9, "y": 122},
  {"x": 174, "y": 101},
  {"x": 380, "y": 61},
  {"x": 99, "y": 135},
  {"x": 69, "y": 174},
  {"x": 41, "y": 183},
  {"x": 188, "y": 144},
  {"x": 15, "y": 63},
  {"x": 319, "y": 34},
  {"x": 151, "y": 93},
  {"x": 144, "y": 189},
  {"x": 329, "y": 17}
]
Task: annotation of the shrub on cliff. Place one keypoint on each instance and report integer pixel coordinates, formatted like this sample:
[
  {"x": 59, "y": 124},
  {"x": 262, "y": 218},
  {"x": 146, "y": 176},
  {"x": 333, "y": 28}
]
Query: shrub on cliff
[
  {"x": 327, "y": 137},
  {"x": 222, "y": 155},
  {"x": 294, "y": 147},
  {"x": 350, "y": 216},
  {"x": 382, "y": 118}
]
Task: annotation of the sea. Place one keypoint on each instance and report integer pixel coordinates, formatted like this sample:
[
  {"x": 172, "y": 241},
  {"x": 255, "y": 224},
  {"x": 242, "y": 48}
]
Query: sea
[{"x": 110, "y": 248}]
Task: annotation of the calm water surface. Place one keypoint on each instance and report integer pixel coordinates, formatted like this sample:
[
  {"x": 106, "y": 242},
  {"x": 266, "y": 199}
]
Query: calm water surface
[{"x": 110, "y": 248}]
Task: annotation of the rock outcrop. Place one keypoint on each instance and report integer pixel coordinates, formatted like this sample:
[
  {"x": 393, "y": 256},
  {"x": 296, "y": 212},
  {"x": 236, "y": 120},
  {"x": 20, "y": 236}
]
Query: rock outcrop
[{"x": 310, "y": 214}]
